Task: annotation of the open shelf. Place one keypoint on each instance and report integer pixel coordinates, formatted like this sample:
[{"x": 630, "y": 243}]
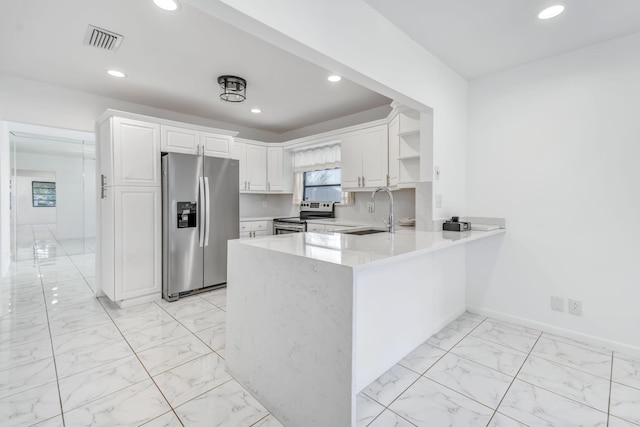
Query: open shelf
[
  {"x": 409, "y": 133},
  {"x": 409, "y": 157}
]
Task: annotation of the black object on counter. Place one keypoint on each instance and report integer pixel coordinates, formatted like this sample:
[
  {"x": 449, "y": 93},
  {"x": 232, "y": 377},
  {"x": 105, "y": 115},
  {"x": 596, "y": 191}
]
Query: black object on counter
[{"x": 456, "y": 225}]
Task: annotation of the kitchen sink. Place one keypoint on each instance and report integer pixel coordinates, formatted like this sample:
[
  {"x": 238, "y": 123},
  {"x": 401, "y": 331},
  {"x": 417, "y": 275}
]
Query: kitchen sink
[{"x": 364, "y": 232}]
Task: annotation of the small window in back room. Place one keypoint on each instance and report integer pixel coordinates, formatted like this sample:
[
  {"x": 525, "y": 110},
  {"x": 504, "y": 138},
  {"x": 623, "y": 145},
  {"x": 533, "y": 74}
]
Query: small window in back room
[
  {"x": 322, "y": 185},
  {"x": 43, "y": 194}
]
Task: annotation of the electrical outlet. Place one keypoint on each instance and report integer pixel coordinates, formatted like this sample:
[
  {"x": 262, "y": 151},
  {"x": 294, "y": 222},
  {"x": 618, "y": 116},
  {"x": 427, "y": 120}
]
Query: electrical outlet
[
  {"x": 264, "y": 204},
  {"x": 438, "y": 200},
  {"x": 575, "y": 307},
  {"x": 557, "y": 304}
]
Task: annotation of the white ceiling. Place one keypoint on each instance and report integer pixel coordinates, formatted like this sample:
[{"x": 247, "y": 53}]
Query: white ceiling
[
  {"x": 172, "y": 61},
  {"x": 477, "y": 38}
]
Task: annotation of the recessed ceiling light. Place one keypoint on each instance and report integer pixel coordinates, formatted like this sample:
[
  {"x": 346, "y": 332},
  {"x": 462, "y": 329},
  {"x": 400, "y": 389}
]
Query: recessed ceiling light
[
  {"x": 551, "y": 12},
  {"x": 116, "y": 73},
  {"x": 334, "y": 78},
  {"x": 256, "y": 110},
  {"x": 169, "y": 5}
]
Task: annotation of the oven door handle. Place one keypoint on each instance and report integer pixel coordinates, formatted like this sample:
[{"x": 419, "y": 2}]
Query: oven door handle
[{"x": 287, "y": 227}]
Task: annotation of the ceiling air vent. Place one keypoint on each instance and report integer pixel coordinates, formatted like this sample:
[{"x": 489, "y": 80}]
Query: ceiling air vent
[{"x": 102, "y": 39}]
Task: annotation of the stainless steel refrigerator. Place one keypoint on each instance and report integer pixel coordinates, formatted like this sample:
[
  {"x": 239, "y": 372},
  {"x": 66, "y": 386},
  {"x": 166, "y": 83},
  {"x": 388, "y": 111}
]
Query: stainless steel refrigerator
[{"x": 200, "y": 202}]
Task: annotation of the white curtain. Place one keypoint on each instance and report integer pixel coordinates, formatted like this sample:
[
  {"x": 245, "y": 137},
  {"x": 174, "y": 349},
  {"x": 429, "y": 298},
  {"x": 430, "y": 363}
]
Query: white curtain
[{"x": 325, "y": 157}]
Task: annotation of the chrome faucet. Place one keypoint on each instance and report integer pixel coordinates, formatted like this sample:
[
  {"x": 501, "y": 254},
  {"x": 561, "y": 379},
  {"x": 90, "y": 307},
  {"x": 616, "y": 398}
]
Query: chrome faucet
[{"x": 372, "y": 207}]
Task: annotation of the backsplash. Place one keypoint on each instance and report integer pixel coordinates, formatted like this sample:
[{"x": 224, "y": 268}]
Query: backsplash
[
  {"x": 279, "y": 205},
  {"x": 403, "y": 201}
]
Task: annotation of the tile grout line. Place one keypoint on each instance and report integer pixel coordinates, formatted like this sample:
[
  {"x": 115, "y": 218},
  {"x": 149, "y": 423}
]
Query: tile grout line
[
  {"x": 53, "y": 354},
  {"x": 610, "y": 390},
  {"x": 422, "y": 375},
  {"x": 143, "y": 367},
  {"x": 514, "y": 379}
]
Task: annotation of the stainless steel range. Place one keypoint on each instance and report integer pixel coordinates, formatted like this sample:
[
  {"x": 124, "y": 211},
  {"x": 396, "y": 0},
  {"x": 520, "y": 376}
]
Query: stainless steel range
[{"x": 308, "y": 210}]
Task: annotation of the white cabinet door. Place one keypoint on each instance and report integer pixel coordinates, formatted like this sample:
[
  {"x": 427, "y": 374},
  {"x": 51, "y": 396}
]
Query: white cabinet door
[
  {"x": 105, "y": 258},
  {"x": 351, "y": 160},
  {"x": 394, "y": 151},
  {"x": 239, "y": 152},
  {"x": 215, "y": 145},
  {"x": 256, "y": 167},
  {"x": 179, "y": 140},
  {"x": 315, "y": 227},
  {"x": 275, "y": 181},
  {"x": 374, "y": 157},
  {"x": 136, "y": 153},
  {"x": 137, "y": 242}
]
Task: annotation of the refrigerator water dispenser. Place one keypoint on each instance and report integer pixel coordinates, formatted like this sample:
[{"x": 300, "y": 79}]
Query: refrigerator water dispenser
[{"x": 186, "y": 214}]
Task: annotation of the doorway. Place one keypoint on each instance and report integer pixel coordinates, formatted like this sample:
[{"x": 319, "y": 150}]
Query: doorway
[{"x": 53, "y": 199}]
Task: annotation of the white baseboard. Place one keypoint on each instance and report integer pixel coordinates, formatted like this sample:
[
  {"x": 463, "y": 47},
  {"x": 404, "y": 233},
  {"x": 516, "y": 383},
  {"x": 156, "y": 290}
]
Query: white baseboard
[
  {"x": 126, "y": 303},
  {"x": 545, "y": 327}
]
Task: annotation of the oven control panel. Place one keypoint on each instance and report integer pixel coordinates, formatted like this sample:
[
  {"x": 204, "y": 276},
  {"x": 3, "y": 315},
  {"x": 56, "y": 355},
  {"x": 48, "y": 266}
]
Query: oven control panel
[{"x": 316, "y": 206}]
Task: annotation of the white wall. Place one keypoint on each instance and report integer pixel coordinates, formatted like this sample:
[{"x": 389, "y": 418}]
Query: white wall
[
  {"x": 278, "y": 205},
  {"x": 5, "y": 213},
  {"x": 354, "y": 40},
  {"x": 26, "y": 213},
  {"x": 554, "y": 147},
  {"x": 90, "y": 190},
  {"x": 69, "y": 190}
]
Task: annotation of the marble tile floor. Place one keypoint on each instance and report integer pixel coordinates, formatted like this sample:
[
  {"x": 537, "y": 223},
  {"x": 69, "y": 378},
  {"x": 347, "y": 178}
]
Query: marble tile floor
[{"x": 69, "y": 359}]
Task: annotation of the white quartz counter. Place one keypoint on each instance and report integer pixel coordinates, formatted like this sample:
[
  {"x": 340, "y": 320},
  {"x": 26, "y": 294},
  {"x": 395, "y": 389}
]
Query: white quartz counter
[{"x": 372, "y": 249}]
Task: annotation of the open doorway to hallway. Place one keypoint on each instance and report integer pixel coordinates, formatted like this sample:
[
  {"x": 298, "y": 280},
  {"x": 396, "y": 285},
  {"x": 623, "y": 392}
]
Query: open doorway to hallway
[{"x": 53, "y": 200}]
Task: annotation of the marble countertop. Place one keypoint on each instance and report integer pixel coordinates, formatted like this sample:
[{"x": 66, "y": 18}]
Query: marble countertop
[
  {"x": 258, "y": 218},
  {"x": 367, "y": 250}
]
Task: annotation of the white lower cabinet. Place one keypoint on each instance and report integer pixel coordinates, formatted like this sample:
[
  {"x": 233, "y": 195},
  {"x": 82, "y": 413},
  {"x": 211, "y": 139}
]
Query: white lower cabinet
[
  {"x": 315, "y": 227},
  {"x": 250, "y": 229},
  {"x": 131, "y": 233}
]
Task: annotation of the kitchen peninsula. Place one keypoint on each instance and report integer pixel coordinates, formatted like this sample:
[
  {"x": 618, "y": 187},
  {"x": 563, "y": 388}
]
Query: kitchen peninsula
[{"x": 313, "y": 318}]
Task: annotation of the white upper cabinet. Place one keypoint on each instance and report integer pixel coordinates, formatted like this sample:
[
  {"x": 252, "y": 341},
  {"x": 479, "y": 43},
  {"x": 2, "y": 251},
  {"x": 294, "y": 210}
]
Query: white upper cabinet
[
  {"x": 351, "y": 160},
  {"x": 256, "y": 167},
  {"x": 190, "y": 141},
  {"x": 364, "y": 158},
  {"x": 263, "y": 169},
  {"x": 374, "y": 157},
  {"x": 129, "y": 152},
  {"x": 394, "y": 151},
  {"x": 239, "y": 152},
  {"x": 253, "y": 166},
  {"x": 215, "y": 145},
  {"x": 179, "y": 140},
  {"x": 275, "y": 169}
]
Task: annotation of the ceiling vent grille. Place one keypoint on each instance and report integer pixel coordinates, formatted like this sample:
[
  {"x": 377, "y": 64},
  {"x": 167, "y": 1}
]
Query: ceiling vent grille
[{"x": 102, "y": 39}]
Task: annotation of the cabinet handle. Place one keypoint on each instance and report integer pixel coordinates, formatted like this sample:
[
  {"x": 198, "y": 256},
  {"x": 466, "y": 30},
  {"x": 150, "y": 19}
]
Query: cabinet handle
[
  {"x": 359, "y": 182},
  {"x": 103, "y": 184},
  {"x": 363, "y": 181}
]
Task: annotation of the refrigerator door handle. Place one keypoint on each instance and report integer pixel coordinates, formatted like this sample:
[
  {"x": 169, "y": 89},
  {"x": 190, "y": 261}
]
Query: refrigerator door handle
[
  {"x": 208, "y": 210},
  {"x": 202, "y": 211}
]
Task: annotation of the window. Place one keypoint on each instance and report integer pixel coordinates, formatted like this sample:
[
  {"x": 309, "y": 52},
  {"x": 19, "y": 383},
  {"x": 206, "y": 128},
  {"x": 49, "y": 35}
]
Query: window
[
  {"x": 43, "y": 194},
  {"x": 322, "y": 185}
]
